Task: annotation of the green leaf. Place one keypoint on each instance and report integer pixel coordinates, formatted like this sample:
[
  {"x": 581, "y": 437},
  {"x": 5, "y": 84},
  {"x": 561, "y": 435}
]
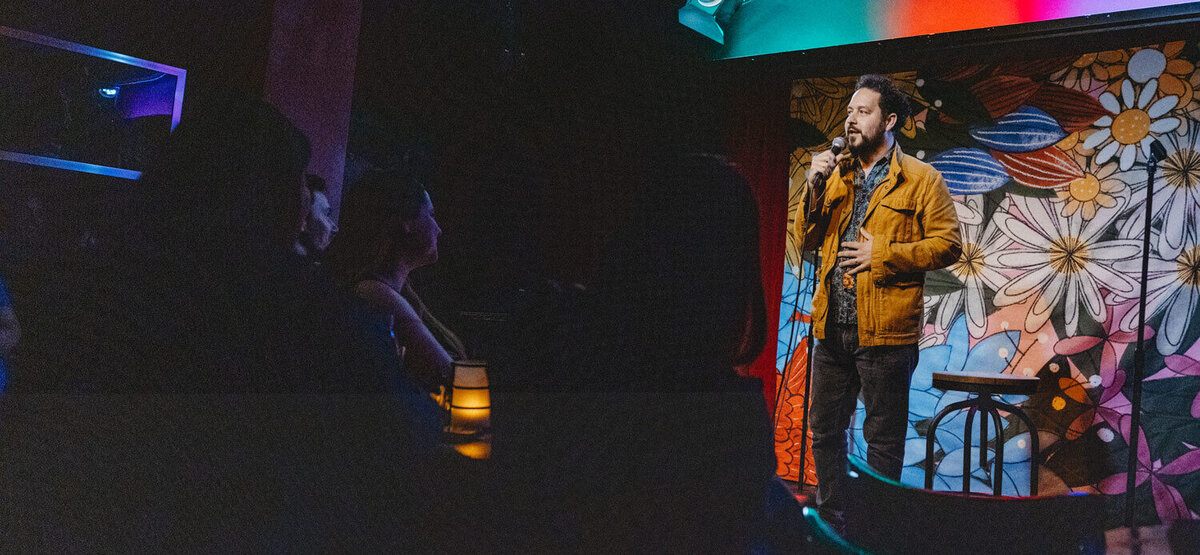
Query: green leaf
[
  {"x": 802, "y": 134},
  {"x": 1025, "y": 191},
  {"x": 941, "y": 282}
]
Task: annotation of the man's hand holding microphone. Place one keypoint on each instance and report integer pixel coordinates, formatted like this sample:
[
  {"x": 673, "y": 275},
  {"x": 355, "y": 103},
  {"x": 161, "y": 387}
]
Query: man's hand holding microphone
[{"x": 822, "y": 167}]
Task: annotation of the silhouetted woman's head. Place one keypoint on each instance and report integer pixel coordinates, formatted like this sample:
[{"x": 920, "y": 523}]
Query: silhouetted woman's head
[{"x": 386, "y": 221}]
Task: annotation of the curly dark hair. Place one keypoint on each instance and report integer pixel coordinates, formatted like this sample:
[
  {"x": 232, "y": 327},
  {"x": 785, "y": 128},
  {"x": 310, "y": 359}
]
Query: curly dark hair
[{"x": 891, "y": 99}]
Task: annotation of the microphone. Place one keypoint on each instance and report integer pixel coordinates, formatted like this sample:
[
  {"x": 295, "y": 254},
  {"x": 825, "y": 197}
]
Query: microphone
[
  {"x": 836, "y": 147},
  {"x": 1158, "y": 153}
]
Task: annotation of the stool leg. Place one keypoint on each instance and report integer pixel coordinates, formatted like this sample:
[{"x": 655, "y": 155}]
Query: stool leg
[
  {"x": 930, "y": 437},
  {"x": 984, "y": 410},
  {"x": 998, "y": 474},
  {"x": 967, "y": 450},
  {"x": 1034, "y": 453},
  {"x": 929, "y": 454}
]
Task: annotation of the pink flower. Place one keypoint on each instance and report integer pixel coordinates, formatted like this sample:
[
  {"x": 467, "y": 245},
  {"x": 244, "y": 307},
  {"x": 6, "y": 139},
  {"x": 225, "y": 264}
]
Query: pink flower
[{"x": 1168, "y": 502}]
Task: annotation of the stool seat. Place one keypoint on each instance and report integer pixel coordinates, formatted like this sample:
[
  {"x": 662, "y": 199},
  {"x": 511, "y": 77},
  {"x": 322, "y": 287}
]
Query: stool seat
[{"x": 985, "y": 383}]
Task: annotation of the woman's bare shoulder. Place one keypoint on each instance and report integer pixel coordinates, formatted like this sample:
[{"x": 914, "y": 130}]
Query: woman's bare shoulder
[{"x": 381, "y": 296}]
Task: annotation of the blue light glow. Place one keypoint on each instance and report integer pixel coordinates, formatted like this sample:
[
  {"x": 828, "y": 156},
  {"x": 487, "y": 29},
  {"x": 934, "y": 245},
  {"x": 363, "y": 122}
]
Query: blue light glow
[
  {"x": 108, "y": 92},
  {"x": 702, "y": 22},
  {"x": 68, "y": 165}
]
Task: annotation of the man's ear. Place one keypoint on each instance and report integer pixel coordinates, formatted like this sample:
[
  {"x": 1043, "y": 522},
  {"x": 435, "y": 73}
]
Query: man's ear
[{"x": 891, "y": 122}]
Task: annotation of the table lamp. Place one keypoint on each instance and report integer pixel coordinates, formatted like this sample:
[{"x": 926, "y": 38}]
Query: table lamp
[{"x": 470, "y": 404}]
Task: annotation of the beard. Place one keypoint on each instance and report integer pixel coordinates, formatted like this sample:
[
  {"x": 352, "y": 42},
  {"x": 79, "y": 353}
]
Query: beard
[{"x": 865, "y": 142}]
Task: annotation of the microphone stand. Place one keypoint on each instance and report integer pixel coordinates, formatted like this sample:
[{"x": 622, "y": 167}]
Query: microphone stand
[
  {"x": 1157, "y": 153},
  {"x": 787, "y": 365},
  {"x": 836, "y": 146},
  {"x": 812, "y": 293}
]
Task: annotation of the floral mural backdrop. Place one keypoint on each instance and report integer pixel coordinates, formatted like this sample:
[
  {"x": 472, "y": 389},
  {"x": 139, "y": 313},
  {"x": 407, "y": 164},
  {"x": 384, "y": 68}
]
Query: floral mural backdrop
[{"x": 1046, "y": 162}]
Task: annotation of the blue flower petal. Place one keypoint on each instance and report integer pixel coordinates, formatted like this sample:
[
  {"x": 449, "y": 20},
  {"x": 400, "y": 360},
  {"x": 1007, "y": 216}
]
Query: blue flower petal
[
  {"x": 950, "y": 429},
  {"x": 951, "y": 468},
  {"x": 942, "y": 484},
  {"x": 1014, "y": 451},
  {"x": 914, "y": 450},
  {"x": 1016, "y": 478},
  {"x": 948, "y": 398},
  {"x": 993, "y": 354},
  {"x": 914, "y": 476},
  {"x": 1014, "y": 399},
  {"x": 969, "y": 170},
  {"x": 979, "y": 478},
  {"x": 930, "y": 360},
  {"x": 1024, "y": 130},
  {"x": 858, "y": 443},
  {"x": 791, "y": 330},
  {"x": 923, "y": 404},
  {"x": 950, "y": 433},
  {"x": 952, "y": 464},
  {"x": 784, "y": 348},
  {"x": 960, "y": 341}
]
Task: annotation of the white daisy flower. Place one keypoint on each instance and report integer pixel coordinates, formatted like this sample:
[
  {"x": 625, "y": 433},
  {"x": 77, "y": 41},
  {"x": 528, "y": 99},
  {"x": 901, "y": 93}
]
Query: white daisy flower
[
  {"x": 1055, "y": 254},
  {"x": 1176, "y": 196},
  {"x": 1172, "y": 288},
  {"x": 1135, "y": 118},
  {"x": 971, "y": 269},
  {"x": 1099, "y": 188}
]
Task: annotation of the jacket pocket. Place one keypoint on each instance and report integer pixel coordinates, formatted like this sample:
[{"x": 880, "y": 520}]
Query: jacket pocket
[
  {"x": 898, "y": 217},
  {"x": 901, "y": 307}
]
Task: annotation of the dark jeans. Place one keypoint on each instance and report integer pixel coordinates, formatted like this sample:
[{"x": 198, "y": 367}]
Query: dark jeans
[{"x": 840, "y": 370}]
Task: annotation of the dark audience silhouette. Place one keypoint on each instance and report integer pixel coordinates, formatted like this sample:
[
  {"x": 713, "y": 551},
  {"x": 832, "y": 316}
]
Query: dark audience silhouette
[
  {"x": 388, "y": 231},
  {"x": 621, "y": 422},
  {"x": 238, "y": 400}
]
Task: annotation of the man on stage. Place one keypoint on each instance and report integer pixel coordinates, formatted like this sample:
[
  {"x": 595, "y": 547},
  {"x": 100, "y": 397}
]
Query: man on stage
[{"x": 881, "y": 219}]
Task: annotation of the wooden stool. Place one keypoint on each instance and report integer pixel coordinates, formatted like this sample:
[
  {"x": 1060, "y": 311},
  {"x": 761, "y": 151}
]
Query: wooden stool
[{"x": 984, "y": 386}]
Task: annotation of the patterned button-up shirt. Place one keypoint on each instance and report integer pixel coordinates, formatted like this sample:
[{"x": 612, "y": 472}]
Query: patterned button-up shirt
[{"x": 843, "y": 299}]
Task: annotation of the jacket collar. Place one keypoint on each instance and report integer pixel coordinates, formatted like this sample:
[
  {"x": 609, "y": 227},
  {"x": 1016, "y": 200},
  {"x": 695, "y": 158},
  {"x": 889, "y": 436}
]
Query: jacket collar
[
  {"x": 895, "y": 172},
  {"x": 893, "y": 158},
  {"x": 894, "y": 176}
]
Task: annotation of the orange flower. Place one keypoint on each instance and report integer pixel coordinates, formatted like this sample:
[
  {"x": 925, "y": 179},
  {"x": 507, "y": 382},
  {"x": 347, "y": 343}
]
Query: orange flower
[
  {"x": 913, "y": 123},
  {"x": 1175, "y": 79},
  {"x": 1101, "y": 67}
]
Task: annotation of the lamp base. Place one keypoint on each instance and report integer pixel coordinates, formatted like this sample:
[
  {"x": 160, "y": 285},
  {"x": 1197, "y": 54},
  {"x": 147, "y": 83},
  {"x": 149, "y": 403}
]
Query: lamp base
[
  {"x": 461, "y": 435},
  {"x": 474, "y": 445}
]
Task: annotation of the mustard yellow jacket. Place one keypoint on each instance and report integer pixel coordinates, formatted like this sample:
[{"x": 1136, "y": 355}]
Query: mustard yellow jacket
[{"x": 915, "y": 230}]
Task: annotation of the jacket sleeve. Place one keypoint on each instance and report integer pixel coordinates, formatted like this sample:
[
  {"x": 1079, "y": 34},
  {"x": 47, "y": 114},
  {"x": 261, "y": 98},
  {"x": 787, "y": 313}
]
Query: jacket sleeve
[
  {"x": 811, "y": 222},
  {"x": 940, "y": 244}
]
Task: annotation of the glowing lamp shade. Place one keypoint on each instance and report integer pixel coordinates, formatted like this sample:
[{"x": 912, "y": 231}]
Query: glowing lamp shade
[{"x": 470, "y": 403}]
